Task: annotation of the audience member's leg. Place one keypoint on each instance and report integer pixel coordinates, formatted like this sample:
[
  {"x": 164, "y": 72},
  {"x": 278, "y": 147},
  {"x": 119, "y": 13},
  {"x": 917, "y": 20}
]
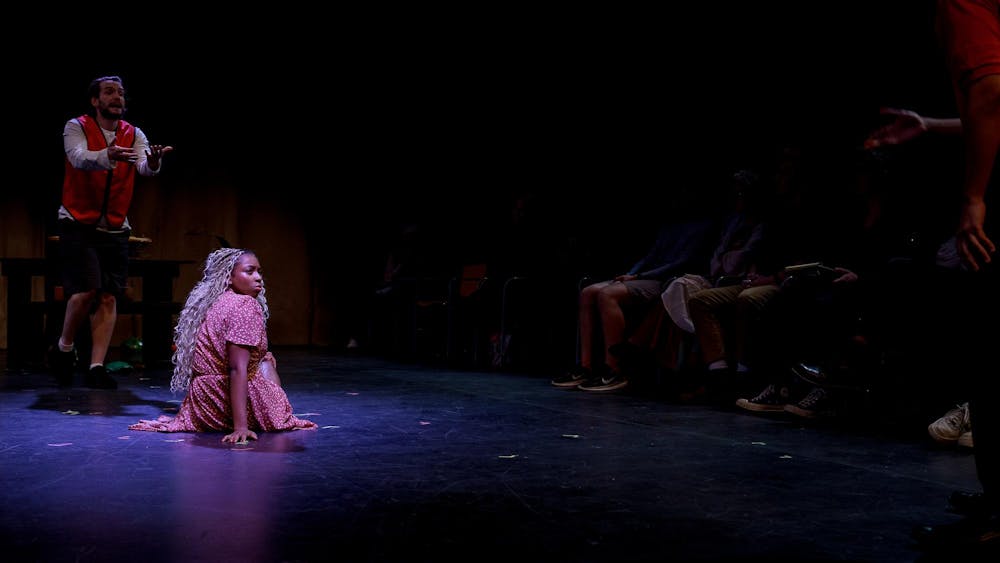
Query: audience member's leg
[
  {"x": 588, "y": 321},
  {"x": 764, "y": 347},
  {"x": 750, "y": 305},
  {"x": 611, "y": 304},
  {"x": 707, "y": 310}
]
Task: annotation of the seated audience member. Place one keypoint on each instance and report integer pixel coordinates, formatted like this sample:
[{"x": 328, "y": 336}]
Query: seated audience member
[
  {"x": 719, "y": 313},
  {"x": 602, "y": 322},
  {"x": 813, "y": 321},
  {"x": 738, "y": 239}
]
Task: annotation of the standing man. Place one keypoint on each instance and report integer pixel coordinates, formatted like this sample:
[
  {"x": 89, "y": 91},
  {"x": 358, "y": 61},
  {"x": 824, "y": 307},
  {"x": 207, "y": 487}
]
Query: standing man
[
  {"x": 103, "y": 153},
  {"x": 970, "y": 33}
]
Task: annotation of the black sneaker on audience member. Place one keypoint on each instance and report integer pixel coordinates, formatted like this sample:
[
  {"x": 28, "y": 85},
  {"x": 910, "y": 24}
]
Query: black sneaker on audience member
[
  {"x": 813, "y": 405},
  {"x": 61, "y": 365},
  {"x": 98, "y": 378},
  {"x": 611, "y": 381},
  {"x": 771, "y": 399},
  {"x": 573, "y": 378}
]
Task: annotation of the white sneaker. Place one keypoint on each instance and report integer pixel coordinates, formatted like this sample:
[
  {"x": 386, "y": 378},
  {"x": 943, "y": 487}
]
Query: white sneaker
[{"x": 950, "y": 427}]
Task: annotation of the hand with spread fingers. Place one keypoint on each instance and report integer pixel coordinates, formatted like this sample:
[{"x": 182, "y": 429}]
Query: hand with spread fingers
[
  {"x": 154, "y": 153},
  {"x": 240, "y": 436},
  {"x": 905, "y": 126}
]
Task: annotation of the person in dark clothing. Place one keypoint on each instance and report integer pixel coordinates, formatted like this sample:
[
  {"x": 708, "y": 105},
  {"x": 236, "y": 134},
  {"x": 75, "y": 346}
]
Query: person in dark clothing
[
  {"x": 832, "y": 262},
  {"x": 679, "y": 247}
]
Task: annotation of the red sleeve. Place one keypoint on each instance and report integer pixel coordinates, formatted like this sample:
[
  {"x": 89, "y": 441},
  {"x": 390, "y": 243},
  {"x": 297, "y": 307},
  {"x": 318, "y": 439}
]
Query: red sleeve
[{"x": 970, "y": 33}]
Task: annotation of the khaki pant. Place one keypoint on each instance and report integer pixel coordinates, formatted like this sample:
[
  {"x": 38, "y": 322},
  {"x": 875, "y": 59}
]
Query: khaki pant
[{"x": 733, "y": 306}]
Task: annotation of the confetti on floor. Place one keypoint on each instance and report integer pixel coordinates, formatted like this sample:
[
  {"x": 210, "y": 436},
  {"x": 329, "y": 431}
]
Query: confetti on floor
[
  {"x": 785, "y": 457},
  {"x": 574, "y": 436},
  {"x": 759, "y": 443},
  {"x": 61, "y": 444},
  {"x": 124, "y": 437},
  {"x": 71, "y": 412},
  {"x": 177, "y": 440},
  {"x": 352, "y": 393},
  {"x": 511, "y": 456},
  {"x": 330, "y": 427},
  {"x": 308, "y": 414},
  {"x": 424, "y": 423}
]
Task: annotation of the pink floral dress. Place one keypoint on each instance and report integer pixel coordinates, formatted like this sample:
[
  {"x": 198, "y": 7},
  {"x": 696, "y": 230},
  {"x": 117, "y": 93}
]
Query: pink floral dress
[{"x": 238, "y": 319}]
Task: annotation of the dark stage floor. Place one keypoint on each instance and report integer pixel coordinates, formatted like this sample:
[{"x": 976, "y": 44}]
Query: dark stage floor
[{"x": 415, "y": 463}]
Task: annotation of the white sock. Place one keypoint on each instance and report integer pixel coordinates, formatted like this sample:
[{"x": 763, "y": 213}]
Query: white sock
[
  {"x": 65, "y": 347},
  {"x": 92, "y": 366},
  {"x": 718, "y": 364}
]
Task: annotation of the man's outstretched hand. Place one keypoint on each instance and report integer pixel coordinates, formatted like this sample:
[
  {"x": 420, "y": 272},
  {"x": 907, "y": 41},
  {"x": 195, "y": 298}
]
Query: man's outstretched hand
[
  {"x": 906, "y": 125},
  {"x": 154, "y": 153}
]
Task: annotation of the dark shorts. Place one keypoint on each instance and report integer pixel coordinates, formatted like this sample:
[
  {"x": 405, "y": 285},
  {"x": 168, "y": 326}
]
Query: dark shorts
[
  {"x": 645, "y": 290},
  {"x": 92, "y": 259}
]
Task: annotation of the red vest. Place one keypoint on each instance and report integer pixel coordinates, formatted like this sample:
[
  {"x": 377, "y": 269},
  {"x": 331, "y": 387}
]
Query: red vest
[{"x": 89, "y": 194}]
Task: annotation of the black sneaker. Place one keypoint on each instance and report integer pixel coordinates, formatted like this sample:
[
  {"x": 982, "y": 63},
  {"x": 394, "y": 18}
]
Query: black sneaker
[
  {"x": 573, "y": 378},
  {"x": 61, "y": 365},
  {"x": 612, "y": 381},
  {"x": 813, "y": 405},
  {"x": 771, "y": 399},
  {"x": 98, "y": 378}
]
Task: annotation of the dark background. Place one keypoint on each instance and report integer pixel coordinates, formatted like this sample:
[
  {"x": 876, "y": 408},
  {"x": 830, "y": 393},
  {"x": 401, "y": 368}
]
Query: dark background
[
  {"x": 391, "y": 110},
  {"x": 356, "y": 122}
]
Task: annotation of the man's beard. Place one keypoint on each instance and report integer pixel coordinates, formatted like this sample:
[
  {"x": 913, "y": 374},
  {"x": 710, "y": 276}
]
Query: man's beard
[{"x": 107, "y": 114}]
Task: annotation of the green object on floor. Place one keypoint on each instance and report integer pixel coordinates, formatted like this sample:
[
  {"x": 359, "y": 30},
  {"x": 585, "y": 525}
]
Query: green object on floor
[
  {"x": 132, "y": 351},
  {"x": 118, "y": 366}
]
